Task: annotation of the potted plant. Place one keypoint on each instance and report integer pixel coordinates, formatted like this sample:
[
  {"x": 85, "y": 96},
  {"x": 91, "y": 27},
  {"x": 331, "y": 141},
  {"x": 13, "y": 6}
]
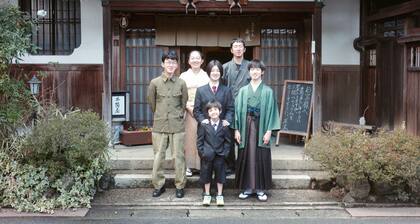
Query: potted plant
[{"x": 132, "y": 135}]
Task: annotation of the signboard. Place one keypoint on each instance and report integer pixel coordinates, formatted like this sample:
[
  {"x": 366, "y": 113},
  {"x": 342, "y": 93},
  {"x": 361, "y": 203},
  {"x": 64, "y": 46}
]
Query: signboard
[
  {"x": 120, "y": 106},
  {"x": 296, "y": 107}
]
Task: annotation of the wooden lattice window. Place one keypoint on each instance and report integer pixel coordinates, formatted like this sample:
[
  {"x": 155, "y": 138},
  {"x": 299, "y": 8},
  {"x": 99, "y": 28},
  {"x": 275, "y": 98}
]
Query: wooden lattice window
[
  {"x": 279, "y": 52},
  {"x": 58, "y": 25},
  {"x": 393, "y": 28},
  {"x": 414, "y": 57}
]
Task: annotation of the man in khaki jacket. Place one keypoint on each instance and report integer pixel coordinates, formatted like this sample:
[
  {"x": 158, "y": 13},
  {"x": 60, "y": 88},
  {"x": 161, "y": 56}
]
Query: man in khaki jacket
[{"x": 168, "y": 95}]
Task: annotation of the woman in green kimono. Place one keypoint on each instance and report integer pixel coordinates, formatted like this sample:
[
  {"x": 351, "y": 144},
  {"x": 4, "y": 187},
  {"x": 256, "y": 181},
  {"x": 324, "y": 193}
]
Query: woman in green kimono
[{"x": 256, "y": 116}]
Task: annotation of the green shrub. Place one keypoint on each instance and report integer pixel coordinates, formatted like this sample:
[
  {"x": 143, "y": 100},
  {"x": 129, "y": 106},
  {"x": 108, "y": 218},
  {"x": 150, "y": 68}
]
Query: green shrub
[
  {"x": 16, "y": 103},
  {"x": 57, "y": 165},
  {"x": 15, "y": 99},
  {"x": 341, "y": 152},
  {"x": 63, "y": 142},
  {"x": 15, "y": 35},
  {"x": 390, "y": 157},
  {"x": 397, "y": 157}
]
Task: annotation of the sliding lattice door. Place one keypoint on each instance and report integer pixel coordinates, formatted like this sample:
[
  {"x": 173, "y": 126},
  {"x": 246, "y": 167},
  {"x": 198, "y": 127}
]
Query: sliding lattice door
[
  {"x": 279, "y": 52},
  {"x": 143, "y": 63}
]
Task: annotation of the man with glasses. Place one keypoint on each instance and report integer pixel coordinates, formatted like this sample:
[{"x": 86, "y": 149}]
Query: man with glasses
[{"x": 167, "y": 96}]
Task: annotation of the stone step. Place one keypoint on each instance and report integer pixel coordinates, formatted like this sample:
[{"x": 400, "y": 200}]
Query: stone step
[
  {"x": 281, "y": 179},
  {"x": 147, "y": 164},
  {"x": 277, "y": 199},
  {"x": 284, "y": 157}
]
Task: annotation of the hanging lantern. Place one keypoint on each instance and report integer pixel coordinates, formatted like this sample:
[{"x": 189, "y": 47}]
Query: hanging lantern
[
  {"x": 34, "y": 84},
  {"x": 124, "y": 22}
]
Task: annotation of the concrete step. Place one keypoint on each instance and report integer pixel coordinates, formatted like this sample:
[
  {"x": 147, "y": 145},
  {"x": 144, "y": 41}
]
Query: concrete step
[
  {"x": 145, "y": 164},
  {"x": 277, "y": 199},
  {"x": 284, "y": 157},
  {"x": 281, "y": 179}
]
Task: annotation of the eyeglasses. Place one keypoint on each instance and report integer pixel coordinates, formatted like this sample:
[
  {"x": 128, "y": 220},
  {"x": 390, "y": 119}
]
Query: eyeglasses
[{"x": 170, "y": 62}]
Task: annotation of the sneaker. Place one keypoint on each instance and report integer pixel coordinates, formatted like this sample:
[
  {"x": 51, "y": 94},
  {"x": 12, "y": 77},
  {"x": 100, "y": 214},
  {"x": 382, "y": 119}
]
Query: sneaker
[
  {"x": 206, "y": 200},
  {"x": 220, "y": 200},
  {"x": 188, "y": 172},
  {"x": 243, "y": 195},
  {"x": 261, "y": 196}
]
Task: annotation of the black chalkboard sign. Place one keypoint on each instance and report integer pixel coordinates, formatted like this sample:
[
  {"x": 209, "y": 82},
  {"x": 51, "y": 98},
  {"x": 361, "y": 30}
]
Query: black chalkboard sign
[{"x": 296, "y": 107}]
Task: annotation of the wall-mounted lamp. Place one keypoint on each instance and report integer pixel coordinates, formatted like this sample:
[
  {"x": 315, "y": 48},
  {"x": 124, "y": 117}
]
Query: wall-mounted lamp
[
  {"x": 123, "y": 22},
  {"x": 34, "y": 84}
]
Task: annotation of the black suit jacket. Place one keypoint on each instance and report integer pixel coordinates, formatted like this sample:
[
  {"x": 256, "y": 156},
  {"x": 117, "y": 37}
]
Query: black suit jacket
[
  {"x": 204, "y": 95},
  {"x": 212, "y": 142}
]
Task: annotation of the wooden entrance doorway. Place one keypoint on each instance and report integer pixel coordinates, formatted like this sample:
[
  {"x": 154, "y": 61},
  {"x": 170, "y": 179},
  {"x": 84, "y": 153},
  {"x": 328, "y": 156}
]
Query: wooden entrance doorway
[{"x": 136, "y": 59}]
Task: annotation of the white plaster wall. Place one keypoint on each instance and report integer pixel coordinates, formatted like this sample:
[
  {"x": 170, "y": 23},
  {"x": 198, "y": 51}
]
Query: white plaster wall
[
  {"x": 91, "y": 47},
  {"x": 4, "y": 3},
  {"x": 340, "y": 26}
]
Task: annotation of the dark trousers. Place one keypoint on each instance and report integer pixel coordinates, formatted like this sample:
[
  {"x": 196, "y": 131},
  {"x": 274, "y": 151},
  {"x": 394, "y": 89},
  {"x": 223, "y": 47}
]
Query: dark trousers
[
  {"x": 231, "y": 159},
  {"x": 217, "y": 165}
]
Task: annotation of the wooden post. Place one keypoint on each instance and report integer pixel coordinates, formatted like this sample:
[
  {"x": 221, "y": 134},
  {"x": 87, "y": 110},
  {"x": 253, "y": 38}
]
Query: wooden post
[
  {"x": 106, "y": 94},
  {"x": 317, "y": 37}
]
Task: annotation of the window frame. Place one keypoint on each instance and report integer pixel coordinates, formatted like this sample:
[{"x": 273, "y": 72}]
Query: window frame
[{"x": 59, "y": 32}]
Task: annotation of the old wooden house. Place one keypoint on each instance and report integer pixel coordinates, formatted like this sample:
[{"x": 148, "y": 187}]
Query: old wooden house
[{"x": 362, "y": 55}]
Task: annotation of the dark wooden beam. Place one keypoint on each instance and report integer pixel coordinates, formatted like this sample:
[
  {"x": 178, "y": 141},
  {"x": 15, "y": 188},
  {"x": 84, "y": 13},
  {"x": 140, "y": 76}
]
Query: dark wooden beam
[
  {"x": 305, "y": 51},
  {"x": 317, "y": 37},
  {"x": 396, "y": 10},
  {"x": 106, "y": 99},
  {"x": 123, "y": 62},
  {"x": 409, "y": 38},
  {"x": 211, "y": 6}
]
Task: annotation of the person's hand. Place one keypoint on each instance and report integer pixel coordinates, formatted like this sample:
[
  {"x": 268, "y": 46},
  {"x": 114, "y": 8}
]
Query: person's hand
[
  {"x": 225, "y": 123},
  {"x": 190, "y": 109},
  {"x": 238, "y": 136},
  {"x": 266, "y": 138},
  {"x": 205, "y": 121}
]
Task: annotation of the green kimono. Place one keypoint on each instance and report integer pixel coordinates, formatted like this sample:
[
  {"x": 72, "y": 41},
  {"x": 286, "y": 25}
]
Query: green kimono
[{"x": 269, "y": 114}]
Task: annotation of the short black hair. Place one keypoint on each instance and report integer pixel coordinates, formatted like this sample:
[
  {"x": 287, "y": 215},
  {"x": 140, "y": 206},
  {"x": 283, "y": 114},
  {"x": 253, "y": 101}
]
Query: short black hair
[
  {"x": 213, "y": 104},
  {"x": 171, "y": 54},
  {"x": 256, "y": 64},
  {"x": 237, "y": 40},
  {"x": 213, "y": 63}
]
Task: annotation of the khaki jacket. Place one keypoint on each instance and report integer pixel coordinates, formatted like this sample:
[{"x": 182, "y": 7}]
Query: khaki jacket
[{"x": 168, "y": 98}]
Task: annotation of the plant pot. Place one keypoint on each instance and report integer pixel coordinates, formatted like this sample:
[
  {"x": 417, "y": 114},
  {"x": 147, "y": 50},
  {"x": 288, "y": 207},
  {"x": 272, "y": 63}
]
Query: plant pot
[{"x": 130, "y": 138}]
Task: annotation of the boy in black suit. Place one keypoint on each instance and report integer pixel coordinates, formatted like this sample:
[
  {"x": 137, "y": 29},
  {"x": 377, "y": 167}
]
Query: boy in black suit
[{"x": 213, "y": 144}]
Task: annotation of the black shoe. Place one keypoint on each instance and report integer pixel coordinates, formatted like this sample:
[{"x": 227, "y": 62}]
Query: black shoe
[
  {"x": 158, "y": 192},
  {"x": 179, "y": 193}
]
